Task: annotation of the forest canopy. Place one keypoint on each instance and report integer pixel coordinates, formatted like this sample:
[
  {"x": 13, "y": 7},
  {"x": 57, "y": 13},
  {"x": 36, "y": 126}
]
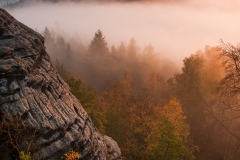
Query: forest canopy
[{"x": 150, "y": 108}]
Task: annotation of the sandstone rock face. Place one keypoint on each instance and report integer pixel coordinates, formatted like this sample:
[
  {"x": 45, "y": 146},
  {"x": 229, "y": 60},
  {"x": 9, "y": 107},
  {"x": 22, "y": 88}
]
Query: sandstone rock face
[{"x": 32, "y": 91}]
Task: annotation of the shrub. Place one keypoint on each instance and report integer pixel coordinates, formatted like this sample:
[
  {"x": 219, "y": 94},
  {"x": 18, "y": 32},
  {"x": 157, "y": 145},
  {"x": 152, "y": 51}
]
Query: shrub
[
  {"x": 24, "y": 156},
  {"x": 71, "y": 155}
]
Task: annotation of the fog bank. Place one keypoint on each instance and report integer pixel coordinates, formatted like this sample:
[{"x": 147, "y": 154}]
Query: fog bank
[{"x": 175, "y": 30}]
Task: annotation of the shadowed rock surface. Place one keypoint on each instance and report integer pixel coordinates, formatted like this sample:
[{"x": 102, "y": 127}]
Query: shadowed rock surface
[{"x": 32, "y": 92}]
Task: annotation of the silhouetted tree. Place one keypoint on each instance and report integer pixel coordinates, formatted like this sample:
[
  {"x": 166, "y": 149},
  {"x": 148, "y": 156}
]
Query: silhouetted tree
[
  {"x": 122, "y": 50},
  {"x": 231, "y": 58},
  {"x": 132, "y": 49},
  {"x": 98, "y": 45},
  {"x": 60, "y": 41},
  {"x": 48, "y": 36}
]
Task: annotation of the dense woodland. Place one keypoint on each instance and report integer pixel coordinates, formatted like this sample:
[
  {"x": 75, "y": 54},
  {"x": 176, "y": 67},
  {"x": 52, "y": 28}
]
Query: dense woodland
[{"x": 152, "y": 110}]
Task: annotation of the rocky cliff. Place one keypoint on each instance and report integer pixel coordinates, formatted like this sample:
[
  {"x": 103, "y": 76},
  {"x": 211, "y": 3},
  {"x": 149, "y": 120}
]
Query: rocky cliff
[{"x": 34, "y": 95}]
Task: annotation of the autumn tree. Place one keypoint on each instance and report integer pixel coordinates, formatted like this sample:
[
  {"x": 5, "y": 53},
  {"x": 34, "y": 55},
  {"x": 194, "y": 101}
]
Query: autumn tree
[
  {"x": 116, "y": 103},
  {"x": 138, "y": 132},
  {"x": 221, "y": 106},
  {"x": 186, "y": 87},
  {"x": 208, "y": 112},
  {"x": 129, "y": 131},
  {"x": 192, "y": 88},
  {"x": 171, "y": 139}
]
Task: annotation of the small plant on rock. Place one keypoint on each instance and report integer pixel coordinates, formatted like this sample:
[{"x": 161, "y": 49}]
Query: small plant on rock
[
  {"x": 71, "y": 155},
  {"x": 24, "y": 156}
]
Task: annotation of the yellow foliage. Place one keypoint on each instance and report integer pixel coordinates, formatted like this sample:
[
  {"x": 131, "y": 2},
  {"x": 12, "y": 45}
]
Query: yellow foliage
[
  {"x": 71, "y": 155},
  {"x": 173, "y": 112},
  {"x": 24, "y": 156}
]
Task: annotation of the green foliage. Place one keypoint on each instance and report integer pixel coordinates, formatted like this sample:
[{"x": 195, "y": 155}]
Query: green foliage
[
  {"x": 171, "y": 138},
  {"x": 24, "y": 156},
  {"x": 169, "y": 147},
  {"x": 62, "y": 71},
  {"x": 87, "y": 98},
  {"x": 85, "y": 95}
]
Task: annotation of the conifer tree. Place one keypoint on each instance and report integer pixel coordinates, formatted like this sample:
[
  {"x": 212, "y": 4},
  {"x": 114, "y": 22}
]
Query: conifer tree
[
  {"x": 98, "y": 45},
  {"x": 47, "y": 35}
]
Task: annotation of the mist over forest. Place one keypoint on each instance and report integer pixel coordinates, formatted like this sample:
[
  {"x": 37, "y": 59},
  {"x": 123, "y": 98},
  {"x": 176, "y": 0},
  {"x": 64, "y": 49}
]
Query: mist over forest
[
  {"x": 176, "y": 30},
  {"x": 161, "y": 78}
]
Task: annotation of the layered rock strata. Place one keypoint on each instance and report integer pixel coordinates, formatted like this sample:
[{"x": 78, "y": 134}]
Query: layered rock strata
[{"x": 32, "y": 92}]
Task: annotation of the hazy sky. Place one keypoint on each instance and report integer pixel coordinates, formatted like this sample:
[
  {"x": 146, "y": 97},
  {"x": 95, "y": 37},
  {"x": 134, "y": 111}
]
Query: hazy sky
[
  {"x": 2, "y": 2},
  {"x": 175, "y": 30}
]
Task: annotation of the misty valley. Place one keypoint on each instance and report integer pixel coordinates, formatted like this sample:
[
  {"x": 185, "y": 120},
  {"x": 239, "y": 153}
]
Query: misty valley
[
  {"x": 149, "y": 107},
  {"x": 173, "y": 102}
]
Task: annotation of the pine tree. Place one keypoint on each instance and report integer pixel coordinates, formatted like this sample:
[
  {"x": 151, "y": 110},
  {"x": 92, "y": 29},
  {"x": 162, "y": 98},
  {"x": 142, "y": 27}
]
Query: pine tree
[
  {"x": 132, "y": 49},
  {"x": 98, "y": 45},
  {"x": 47, "y": 35}
]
